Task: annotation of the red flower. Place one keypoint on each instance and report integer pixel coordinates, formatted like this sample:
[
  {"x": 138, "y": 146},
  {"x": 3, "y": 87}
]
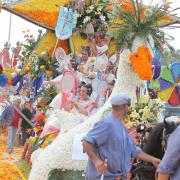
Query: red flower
[
  {"x": 40, "y": 117},
  {"x": 42, "y": 102}
]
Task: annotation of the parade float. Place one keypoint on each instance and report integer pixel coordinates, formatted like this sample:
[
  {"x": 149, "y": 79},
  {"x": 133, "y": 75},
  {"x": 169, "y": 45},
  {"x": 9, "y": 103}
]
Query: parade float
[{"x": 132, "y": 28}]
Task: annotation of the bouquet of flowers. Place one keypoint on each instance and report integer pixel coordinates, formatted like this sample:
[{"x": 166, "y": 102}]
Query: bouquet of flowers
[
  {"x": 144, "y": 111},
  {"x": 94, "y": 14},
  {"x": 46, "y": 96},
  {"x": 41, "y": 64},
  {"x": 30, "y": 43},
  {"x": 39, "y": 122}
]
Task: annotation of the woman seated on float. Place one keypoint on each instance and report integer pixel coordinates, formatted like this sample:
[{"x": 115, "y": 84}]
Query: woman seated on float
[
  {"x": 82, "y": 104},
  {"x": 75, "y": 109}
]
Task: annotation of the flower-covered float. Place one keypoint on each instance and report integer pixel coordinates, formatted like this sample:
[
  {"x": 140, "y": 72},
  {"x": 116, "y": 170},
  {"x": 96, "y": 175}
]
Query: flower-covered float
[{"x": 132, "y": 27}]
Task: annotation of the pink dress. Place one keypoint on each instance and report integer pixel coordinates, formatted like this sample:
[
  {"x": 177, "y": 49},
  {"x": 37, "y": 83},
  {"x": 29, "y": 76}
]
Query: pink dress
[{"x": 88, "y": 104}]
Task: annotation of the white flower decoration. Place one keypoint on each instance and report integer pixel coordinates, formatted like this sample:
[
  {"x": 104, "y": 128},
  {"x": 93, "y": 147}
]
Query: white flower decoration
[
  {"x": 103, "y": 18},
  {"x": 99, "y": 9},
  {"x": 86, "y": 20},
  {"x": 91, "y": 7}
]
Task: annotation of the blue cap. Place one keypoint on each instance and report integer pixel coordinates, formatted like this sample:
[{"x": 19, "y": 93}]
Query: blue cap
[{"x": 120, "y": 99}]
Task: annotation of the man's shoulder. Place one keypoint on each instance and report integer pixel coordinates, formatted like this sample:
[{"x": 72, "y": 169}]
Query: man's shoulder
[
  {"x": 174, "y": 138},
  {"x": 107, "y": 119},
  {"x": 176, "y": 133}
]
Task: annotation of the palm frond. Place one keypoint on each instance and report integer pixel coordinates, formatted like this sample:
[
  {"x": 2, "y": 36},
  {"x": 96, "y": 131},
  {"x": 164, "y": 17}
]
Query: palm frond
[
  {"x": 132, "y": 23},
  {"x": 134, "y": 8}
]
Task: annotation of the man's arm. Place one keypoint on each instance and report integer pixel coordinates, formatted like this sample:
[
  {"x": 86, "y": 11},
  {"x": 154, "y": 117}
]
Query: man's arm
[
  {"x": 19, "y": 124},
  {"x": 93, "y": 140},
  {"x": 171, "y": 159},
  {"x": 148, "y": 158},
  {"x": 163, "y": 176},
  {"x": 139, "y": 154},
  {"x": 91, "y": 151}
]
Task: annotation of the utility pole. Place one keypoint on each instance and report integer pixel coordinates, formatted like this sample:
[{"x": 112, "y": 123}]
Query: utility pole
[{"x": 10, "y": 23}]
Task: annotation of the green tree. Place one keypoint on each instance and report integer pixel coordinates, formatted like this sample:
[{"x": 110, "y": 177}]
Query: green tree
[{"x": 170, "y": 57}]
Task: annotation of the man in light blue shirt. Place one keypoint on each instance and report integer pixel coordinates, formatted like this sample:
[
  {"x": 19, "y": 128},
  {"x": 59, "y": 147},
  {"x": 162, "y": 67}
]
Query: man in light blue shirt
[
  {"x": 170, "y": 164},
  {"x": 109, "y": 147}
]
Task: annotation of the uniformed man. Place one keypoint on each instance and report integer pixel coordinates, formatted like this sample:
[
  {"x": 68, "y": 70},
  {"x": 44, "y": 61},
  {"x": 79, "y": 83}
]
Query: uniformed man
[{"x": 109, "y": 146}]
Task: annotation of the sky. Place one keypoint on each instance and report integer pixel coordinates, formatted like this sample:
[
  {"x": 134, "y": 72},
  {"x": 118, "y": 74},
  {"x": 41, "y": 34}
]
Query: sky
[{"x": 19, "y": 25}]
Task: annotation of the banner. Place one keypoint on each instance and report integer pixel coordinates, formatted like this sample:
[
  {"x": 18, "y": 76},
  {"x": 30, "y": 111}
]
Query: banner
[{"x": 66, "y": 23}]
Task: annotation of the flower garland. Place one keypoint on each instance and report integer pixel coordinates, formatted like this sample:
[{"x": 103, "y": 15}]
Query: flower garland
[
  {"x": 44, "y": 12},
  {"x": 19, "y": 171},
  {"x": 41, "y": 16}
]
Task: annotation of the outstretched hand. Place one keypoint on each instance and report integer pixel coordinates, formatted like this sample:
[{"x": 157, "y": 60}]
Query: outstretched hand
[
  {"x": 156, "y": 162},
  {"x": 148, "y": 158}
]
